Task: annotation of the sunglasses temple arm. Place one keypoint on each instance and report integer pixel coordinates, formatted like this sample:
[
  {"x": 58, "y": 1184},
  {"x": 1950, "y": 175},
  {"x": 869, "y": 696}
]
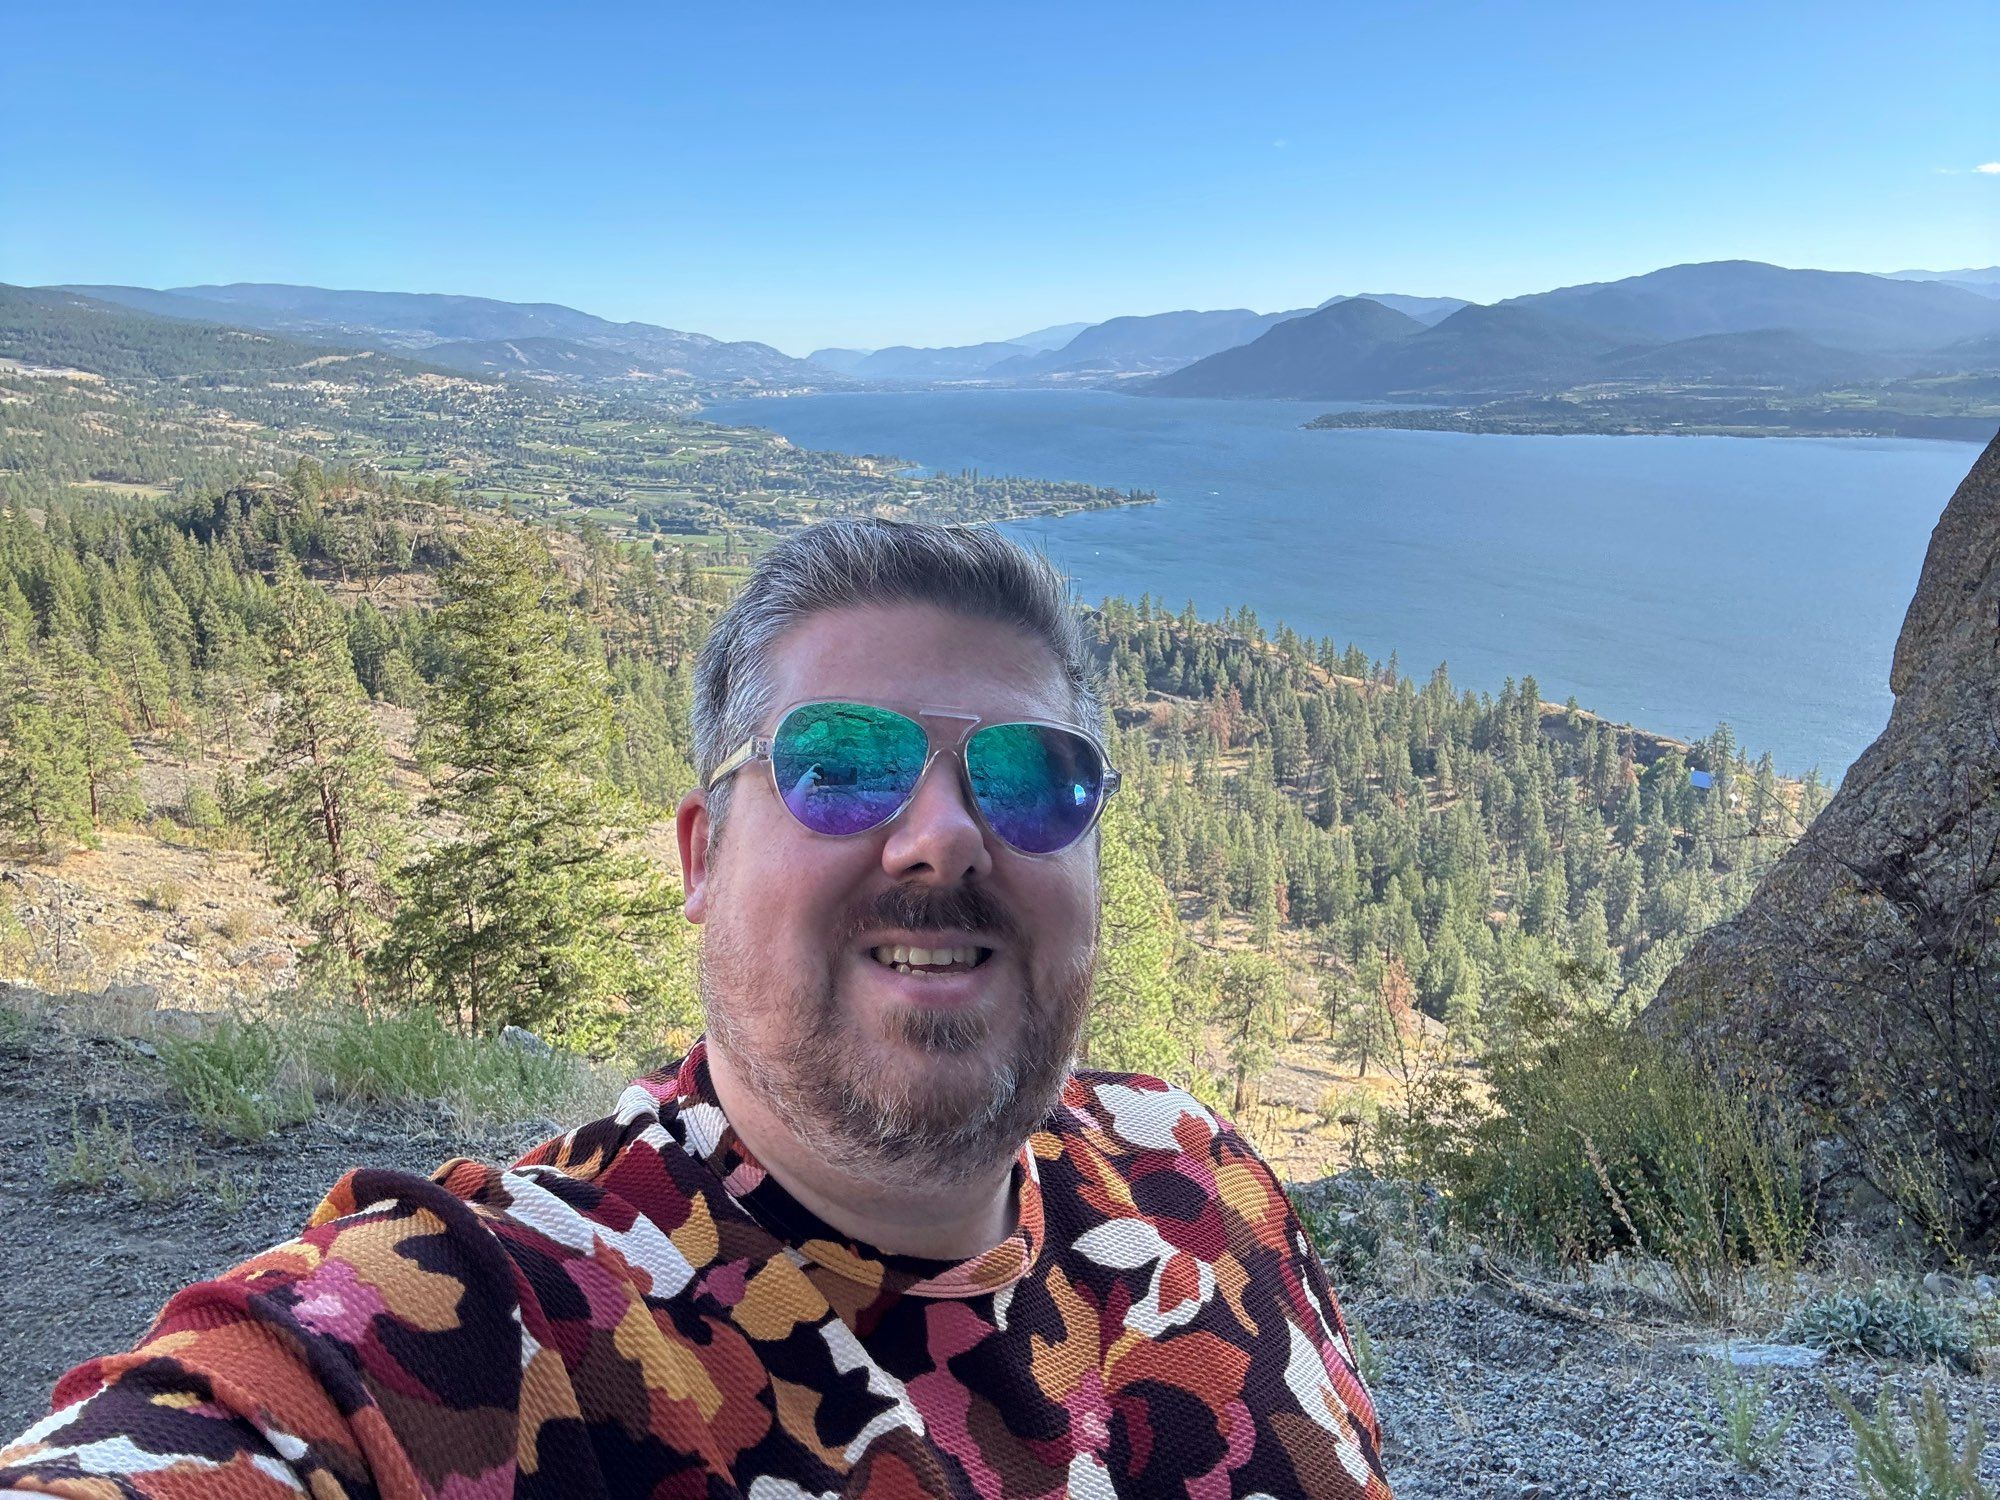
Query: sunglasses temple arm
[{"x": 751, "y": 749}]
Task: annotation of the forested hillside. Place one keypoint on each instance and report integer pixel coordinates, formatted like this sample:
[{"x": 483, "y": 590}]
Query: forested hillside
[{"x": 1310, "y": 843}]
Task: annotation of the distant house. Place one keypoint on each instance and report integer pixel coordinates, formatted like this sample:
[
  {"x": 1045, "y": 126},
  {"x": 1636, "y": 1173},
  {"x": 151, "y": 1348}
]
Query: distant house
[{"x": 1701, "y": 781}]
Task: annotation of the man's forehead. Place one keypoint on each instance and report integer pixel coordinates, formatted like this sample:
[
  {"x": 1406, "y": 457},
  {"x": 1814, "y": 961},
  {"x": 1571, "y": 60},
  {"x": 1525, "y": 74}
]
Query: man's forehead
[{"x": 911, "y": 652}]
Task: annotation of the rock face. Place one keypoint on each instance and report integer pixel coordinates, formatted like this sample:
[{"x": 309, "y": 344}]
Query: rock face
[{"x": 1864, "y": 975}]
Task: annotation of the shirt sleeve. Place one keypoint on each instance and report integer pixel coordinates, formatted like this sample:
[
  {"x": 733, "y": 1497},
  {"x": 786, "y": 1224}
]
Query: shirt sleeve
[{"x": 379, "y": 1354}]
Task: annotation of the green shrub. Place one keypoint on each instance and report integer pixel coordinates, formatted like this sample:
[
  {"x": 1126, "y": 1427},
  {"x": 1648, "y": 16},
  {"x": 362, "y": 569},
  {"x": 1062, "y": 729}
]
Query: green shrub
[
  {"x": 160, "y": 1179},
  {"x": 1367, "y": 1355},
  {"x": 1930, "y": 1468},
  {"x": 1738, "y": 1424},
  {"x": 414, "y": 1057},
  {"x": 165, "y": 895},
  {"x": 201, "y": 809},
  {"x": 1606, "y": 1139},
  {"x": 1882, "y": 1321},
  {"x": 239, "y": 1078},
  {"x": 91, "y": 1156}
]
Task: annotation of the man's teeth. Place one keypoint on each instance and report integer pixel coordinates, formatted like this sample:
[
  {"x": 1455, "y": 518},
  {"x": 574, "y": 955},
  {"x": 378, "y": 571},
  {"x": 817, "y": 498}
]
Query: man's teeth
[{"x": 904, "y": 958}]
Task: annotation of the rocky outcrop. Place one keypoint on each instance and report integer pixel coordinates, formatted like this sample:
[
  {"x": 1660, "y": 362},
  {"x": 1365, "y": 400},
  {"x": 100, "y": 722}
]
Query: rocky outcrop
[{"x": 1864, "y": 975}]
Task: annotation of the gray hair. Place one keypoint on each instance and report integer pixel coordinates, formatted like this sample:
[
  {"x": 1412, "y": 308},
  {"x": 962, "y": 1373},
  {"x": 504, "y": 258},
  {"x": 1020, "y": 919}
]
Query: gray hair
[{"x": 847, "y": 564}]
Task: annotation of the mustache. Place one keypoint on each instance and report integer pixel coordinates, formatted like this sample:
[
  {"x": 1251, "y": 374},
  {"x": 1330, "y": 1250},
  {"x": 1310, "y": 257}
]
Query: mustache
[{"x": 919, "y": 908}]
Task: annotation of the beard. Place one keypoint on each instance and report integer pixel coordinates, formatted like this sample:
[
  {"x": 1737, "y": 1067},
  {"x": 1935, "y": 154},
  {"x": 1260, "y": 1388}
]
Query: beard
[{"x": 807, "y": 1058}]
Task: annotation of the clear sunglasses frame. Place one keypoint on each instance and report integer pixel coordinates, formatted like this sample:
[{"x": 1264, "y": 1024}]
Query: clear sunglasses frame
[{"x": 758, "y": 748}]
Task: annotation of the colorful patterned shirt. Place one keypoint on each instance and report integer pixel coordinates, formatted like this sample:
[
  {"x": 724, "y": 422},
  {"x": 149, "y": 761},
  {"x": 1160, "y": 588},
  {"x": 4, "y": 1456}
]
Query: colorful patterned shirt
[{"x": 638, "y": 1309}]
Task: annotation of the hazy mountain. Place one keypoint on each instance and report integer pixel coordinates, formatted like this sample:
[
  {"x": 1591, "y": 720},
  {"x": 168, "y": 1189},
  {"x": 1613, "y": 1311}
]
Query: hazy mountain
[
  {"x": 1053, "y": 337},
  {"x": 841, "y": 360},
  {"x": 1426, "y": 310},
  {"x": 1477, "y": 350},
  {"x": 1846, "y": 309},
  {"x": 1769, "y": 357},
  {"x": 1985, "y": 280},
  {"x": 901, "y": 362},
  {"x": 1359, "y": 350},
  {"x": 1317, "y": 355},
  {"x": 1156, "y": 341},
  {"x": 414, "y": 322},
  {"x": 56, "y": 327},
  {"x": 1981, "y": 355},
  {"x": 949, "y": 362}
]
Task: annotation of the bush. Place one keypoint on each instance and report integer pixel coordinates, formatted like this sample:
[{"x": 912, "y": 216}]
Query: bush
[
  {"x": 1741, "y": 1426},
  {"x": 1605, "y": 1139},
  {"x": 1931, "y": 1468},
  {"x": 1882, "y": 1321},
  {"x": 414, "y": 1057},
  {"x": 201, "y": 809},
  {"x": 165, "y": 895},
  {"x": 238, "y": 1078}
]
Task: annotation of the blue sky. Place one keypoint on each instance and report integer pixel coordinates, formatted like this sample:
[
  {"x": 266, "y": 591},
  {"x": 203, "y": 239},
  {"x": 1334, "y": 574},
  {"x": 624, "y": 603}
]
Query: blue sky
[{"x": 872, "y": 174}]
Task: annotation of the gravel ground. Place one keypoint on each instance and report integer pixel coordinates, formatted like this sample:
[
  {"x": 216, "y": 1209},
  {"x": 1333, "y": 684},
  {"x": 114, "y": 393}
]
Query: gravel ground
[
  {"x": 82, "y": 1273},
  {"x": 1480, "y": 1397},
  {"x": 1482, "y": 1392}
]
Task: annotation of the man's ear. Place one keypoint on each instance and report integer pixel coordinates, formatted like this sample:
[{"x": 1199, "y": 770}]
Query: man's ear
[{"x": 691, "y": 829}]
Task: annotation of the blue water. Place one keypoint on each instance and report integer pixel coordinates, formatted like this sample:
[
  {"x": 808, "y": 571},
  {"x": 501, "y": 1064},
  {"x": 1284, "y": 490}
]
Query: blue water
[{"x": 1669, "y": 582}]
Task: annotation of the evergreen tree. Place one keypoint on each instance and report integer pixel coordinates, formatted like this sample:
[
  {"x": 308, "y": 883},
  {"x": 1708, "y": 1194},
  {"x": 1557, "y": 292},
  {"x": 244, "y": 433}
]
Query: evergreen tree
[
  {"x": 44, "y": 789},
  {"x": 1255, "y": 1005},
  {"x": 532, "y": 910},
  {"x": 330, "y": 817},
  {"x": 1135, "y": 1023}
]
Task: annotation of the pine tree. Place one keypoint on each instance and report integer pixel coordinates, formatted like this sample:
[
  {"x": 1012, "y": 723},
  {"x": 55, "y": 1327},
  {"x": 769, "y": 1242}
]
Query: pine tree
[
  {"x": 1255, "y": 1005},
  {"x": 44, "y": 790},
  {"x": 533, "y": 910},
  {"x": 1134, "y": 1023},
  {"x": 87, "y": 709},
  {"x": 330, "y": 817}
]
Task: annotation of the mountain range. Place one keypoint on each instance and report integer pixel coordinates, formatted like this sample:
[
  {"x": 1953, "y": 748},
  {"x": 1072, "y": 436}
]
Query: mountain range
[
  {"x": 1717, "y": 323},
  {"x": 1720, "y": 323},
  {"x": 476, "y": 334}
]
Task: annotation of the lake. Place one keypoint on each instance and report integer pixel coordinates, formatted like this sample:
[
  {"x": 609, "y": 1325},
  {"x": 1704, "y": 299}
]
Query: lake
[{"x": 1669, "y": 582}]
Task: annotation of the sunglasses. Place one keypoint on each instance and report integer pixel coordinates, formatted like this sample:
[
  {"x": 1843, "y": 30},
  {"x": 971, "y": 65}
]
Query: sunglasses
[{"x": 847, "y": 768}]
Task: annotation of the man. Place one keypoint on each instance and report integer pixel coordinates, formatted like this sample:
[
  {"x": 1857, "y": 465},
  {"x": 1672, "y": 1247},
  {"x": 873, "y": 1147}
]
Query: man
[{"x": 873, "y": 1236}]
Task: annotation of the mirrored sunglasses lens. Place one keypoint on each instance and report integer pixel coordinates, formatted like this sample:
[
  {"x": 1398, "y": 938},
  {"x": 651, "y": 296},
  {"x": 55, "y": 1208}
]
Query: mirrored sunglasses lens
[
  {"x": 1038, "y": 786},
  {"x": 846, "y": 767}
]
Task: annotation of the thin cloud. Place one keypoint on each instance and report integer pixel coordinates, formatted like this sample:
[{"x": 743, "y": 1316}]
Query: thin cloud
[
  {"x": 1984, "y": 169},
  {"x": 1990, "y": 168}
]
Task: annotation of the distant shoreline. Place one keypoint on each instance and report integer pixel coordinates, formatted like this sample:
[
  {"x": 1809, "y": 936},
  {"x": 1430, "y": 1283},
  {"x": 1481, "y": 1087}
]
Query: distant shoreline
[{"x": 1539, "y": 419}]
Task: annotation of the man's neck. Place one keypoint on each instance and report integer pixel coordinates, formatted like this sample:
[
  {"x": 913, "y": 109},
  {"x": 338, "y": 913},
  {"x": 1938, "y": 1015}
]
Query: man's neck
[{"x": 952, "y": 1222}]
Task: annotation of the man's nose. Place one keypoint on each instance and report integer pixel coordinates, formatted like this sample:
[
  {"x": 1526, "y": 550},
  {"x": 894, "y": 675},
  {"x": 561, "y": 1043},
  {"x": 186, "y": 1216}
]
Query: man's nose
[{"x": 938, "y": 838}]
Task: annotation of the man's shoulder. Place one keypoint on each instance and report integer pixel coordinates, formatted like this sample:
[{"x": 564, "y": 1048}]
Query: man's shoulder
[{"x": 1134, "y": 1113}]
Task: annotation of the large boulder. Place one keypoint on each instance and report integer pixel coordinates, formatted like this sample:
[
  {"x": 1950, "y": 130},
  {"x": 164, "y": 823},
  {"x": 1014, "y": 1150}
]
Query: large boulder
[{"x": 1863, "y": 977}]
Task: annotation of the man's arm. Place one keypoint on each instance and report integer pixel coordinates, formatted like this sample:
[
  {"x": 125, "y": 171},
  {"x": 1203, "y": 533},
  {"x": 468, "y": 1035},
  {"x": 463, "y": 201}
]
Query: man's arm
[{"x": 349, "y": 1354}]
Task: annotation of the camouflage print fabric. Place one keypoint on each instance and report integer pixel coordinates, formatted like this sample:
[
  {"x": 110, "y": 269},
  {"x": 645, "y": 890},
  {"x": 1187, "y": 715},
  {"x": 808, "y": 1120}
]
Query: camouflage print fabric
[{"x": 636, "y": 1309}]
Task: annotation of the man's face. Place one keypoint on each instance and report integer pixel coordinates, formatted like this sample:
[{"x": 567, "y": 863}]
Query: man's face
[{"x": 897, "y": 1074}]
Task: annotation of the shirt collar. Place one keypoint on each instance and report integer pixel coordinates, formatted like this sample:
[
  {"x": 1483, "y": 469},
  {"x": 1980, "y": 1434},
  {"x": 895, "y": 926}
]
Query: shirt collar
[{"x": 695, "y": 1121}]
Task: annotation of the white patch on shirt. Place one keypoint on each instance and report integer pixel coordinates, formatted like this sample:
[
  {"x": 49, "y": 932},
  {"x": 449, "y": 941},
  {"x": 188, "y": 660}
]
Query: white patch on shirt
[
  {"x": 643, "y": 1244},
  {"x": 764, "y": 1487},
  {"x": 1130, "y": 1244},
  {"x": 1089, "y": 1479},
  {"x": 634, "y": 1103},
  {"x": 288, "y": 1446},
  {"x": 703, "y": 1125},
  {"x": 1306, "y": 1375},
  {"x": 1147, "y": 1117},
  {"x": 848, "y": 1355}
]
